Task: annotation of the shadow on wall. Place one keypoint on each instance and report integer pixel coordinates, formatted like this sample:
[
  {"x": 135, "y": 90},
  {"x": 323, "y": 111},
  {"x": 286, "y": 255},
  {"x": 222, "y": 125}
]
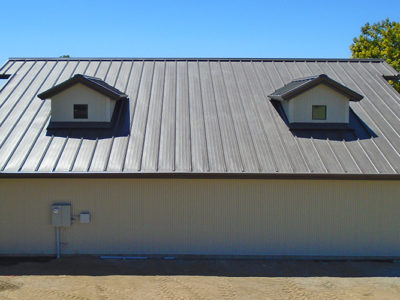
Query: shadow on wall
[
  {"x": 120, "y": 126},
  {"x": 93, "y": 266},
  {"x": 357, "y": 129}
]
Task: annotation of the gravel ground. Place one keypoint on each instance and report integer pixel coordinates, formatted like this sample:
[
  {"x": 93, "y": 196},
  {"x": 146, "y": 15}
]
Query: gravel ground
[{"x": 93, "y": 278}]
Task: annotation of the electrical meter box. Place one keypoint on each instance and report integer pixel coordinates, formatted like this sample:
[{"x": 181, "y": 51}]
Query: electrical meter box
[{"x": 61, "y": 215}]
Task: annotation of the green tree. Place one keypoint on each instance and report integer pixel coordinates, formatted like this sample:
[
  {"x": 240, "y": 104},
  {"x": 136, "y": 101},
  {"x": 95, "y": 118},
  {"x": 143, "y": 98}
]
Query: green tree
[{"x": 379, "y": 40}]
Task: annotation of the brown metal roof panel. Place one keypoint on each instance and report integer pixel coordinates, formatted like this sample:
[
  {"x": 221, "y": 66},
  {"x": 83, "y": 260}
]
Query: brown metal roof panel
[
  {"x": 120, "y": 144},
  {"x": 21, "y": 150},
  {"x": 282, "y": 70},
  {"x": 166, "y": 156},
  {"x": 295, "y": 156},
  {"x": 81, "y": 68},
  {"x": 229, "y": 139},
  {"x": 151, "y": 145},
  {"x": 18, "y": 121},
  {"x": 131, "y": 75},
  {"x": 8, "y": 105},
  {"x": 87, "y": 68},
  {"x": 385, "y": 69},
  {"x": 257, "y": 81},
  {"x": 83, "y": 158},
  {"x": 136, "y": 140},
  {"x": 183, "y": 155},
  {"x": 361, "y": 158},
  {"x": 48, "y": 162},
  {"x": 101, "y": 155},
  {"x": 102, "y": 70},
  {"x": 223, "y": 98},
  {"x": 199, "y": 149},
  {"x": 311, "y": 156},
  {"x": 293, "y": 70},
  {"x": 377, "y": 158},
  {"x": 65, "y": 160},
  {"x": 113, "y": 73},
  {"x": 12, "y": 83},
  {"x": 5, "y": 66},
  {"x": 124, "y": 74},
  {"x": 373, "y": 120},
  {"x": 301, "y": 69},
  {"x": 215, "y": 148},
  {"x": 117, "y": 154},
  {"x": 259, "y": 137},
  {"x": 66, "y": 73},
  {"x": 380, "y": 141},
  {"x": 246, "y": 145},
  {"x": 386, "y": 122},
  {"x": 390, "y": 98},
  {"x": 121, "y": 80},
  {"x": 349, "y": 162},
  {"x": 37, "y": 151},
  {"x": 383, "y": 110},
  {"x": 328, "y": 156},
  {"x": 12, "y": 67},
  {"x": 384, "y": 84}
]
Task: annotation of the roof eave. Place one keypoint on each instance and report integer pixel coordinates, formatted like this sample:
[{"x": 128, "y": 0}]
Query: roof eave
[
  {"x": 353, "y": 96},
  {"x": 79, "y": 79},
  {"x": 205, "y": 175}
]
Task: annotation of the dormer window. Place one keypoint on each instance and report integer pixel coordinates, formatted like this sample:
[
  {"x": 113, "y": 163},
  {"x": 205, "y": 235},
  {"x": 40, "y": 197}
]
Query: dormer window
[
  {"x": 319, "y": 112},
  {"x": 83, "y": 101},
  {"x": 80, "y": 111},
  {"x": 307, "y": 101}
]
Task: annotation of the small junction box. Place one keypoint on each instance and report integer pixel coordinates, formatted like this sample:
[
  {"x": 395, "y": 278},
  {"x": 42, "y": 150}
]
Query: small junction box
[
  {"x": 61, "y": 215},
  {"x": 84, "y": 217}
]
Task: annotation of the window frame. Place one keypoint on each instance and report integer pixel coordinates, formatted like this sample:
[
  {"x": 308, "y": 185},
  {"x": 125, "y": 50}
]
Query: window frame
[
  {"x": 325, "y": 113},
  {"x": 85, "y": 113}
]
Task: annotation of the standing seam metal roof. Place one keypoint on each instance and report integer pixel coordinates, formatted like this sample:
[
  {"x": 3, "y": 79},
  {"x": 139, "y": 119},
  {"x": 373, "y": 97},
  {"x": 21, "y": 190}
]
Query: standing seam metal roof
[{"x": 199, "y": 116}]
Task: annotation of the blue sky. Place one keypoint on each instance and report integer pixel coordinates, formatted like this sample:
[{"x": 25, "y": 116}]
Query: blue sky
[{"x": 204, "y": 28}]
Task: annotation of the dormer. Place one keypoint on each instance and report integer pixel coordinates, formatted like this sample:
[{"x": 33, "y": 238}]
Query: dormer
[
  {"x": 316, "y": 102},
  {"x": 82, "y": 101}
]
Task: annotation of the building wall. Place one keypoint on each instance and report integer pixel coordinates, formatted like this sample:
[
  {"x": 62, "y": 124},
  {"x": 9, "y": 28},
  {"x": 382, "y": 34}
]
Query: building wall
[
  {"x": 299, "y": 109},
  {"x": 100, "y": 107},
  {"x": 221, "y": 217}
]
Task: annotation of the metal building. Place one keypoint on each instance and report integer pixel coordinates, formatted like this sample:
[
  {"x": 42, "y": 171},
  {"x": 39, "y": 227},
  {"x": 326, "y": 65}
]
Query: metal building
[{"x": 201, "y": 157}]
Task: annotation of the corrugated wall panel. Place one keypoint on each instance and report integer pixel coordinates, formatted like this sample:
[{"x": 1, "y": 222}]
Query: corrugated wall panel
[{"x": 184, "y": 216}]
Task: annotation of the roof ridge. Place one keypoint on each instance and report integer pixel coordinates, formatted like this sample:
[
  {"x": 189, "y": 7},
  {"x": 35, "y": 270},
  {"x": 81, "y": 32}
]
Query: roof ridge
[{"x": 199, "y": 59}]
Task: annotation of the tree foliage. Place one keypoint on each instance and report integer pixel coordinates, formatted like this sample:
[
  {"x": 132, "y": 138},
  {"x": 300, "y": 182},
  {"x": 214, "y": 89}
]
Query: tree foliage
[{"x": 379, "y": 40}]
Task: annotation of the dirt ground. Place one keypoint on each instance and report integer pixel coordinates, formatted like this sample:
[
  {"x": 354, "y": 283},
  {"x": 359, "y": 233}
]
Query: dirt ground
[{"x": 93, "y": 278}]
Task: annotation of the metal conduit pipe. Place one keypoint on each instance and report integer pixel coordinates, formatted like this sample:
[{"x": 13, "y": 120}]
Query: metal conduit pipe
[{"x": 58, "y": 242}]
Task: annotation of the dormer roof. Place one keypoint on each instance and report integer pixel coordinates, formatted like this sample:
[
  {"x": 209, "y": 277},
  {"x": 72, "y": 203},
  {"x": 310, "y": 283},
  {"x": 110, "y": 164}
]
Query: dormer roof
[
  {"x": 298, "y": 86},
  {"x": 92, "y": 82}
]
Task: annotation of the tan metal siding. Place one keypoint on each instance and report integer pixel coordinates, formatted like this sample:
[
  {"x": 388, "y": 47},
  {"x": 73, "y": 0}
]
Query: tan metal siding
[{"x": 199, "y": 216}]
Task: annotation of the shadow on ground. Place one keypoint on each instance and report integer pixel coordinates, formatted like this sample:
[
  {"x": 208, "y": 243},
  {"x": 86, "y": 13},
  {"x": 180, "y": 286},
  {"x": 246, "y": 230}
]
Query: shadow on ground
[{"x": 94, "y": 266}]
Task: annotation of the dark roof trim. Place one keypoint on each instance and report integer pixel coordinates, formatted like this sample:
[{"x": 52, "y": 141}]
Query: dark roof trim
[
  {"x": 320, "y": 126},
  {"x": 301, "y": 85},
  {"x": 5, "y": 76},
  {"x": 92, "y": 82},
  {"x": 392, "y": 77},
  {"x": 377, "y": 60},
  {"x": 204, "y": 175},
  {"x": 69, "y": 125}
]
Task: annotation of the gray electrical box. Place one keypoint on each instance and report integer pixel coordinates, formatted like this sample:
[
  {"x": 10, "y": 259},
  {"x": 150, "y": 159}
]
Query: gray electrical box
[{"x": 61, "y": 214}]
